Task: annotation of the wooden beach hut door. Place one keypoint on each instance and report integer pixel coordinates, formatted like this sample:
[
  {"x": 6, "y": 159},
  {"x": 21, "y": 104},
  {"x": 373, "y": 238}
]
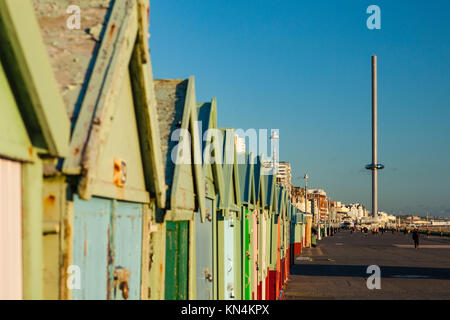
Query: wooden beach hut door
[
  {"x": 255, "y": 253},
  {"x": 107, "y": 249},
  {"x": 228, "y": 237},
  {"x": 177, "y": 242},
  {"x": 204, "y": 250},
  {"x": 278, "y": 277},
  {"x": 10, "y": 230},
  {"x": 127, "y": 244},
  {"x": 263, "y": 256},
  {"x": 247, "y": 257}
]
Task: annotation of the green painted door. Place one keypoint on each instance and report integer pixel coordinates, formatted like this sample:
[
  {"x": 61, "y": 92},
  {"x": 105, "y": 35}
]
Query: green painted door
[{"x": 177, "y": 253}]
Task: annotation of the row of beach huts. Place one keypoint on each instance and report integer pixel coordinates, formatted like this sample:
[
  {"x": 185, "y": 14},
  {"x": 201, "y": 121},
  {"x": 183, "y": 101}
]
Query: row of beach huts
[{"x": 94, "y": 203}]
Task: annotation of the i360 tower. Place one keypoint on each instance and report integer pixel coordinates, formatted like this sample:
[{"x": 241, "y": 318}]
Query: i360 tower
[{"x": 374, "y": 166}]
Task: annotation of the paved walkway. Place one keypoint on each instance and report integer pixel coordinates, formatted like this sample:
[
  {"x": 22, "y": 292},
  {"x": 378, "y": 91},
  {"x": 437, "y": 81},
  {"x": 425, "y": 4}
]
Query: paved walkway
[{"x": 336, "y": 269}]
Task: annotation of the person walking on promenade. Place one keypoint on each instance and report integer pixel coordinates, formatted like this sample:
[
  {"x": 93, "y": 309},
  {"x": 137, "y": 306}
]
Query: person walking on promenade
[{"x": 415, "y": 237}]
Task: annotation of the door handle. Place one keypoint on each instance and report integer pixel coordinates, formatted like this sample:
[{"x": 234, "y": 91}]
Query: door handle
[
  {"x": 121, "y": 278},
  {"x": 208, "y": 275}
]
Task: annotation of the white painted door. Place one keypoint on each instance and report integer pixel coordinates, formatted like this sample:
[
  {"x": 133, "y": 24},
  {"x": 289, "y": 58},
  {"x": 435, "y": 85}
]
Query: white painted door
[{"x": 10, "y": 230}]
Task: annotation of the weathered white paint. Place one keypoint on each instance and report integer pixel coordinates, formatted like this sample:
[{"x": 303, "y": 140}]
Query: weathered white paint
[
  {"x": 255, "y": 253},
  {"x": 10, "y": 230},
  {"x": 263, "y": 259}
]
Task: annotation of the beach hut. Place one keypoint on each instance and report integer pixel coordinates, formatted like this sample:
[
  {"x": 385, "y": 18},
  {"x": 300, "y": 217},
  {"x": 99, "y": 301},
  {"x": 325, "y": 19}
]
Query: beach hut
[
  {"x": 269, "y": 211},
  {"x": 292, "y": 233},
  {"x": 275, "y": 246},
  {"x": 227, "y": 217},
  {"x": 260, "y": 236},
  {"x": 282, "y": 207},
  {"x": 34, "y": 130},
  {"x": 288, "y": 235},
  {"x": 297, "y": 233},
  {"x": 246, "y": 163},
  {"x": 308, "y": 230},
  {"x": 103, "y": 195},
  {"x": 180, "y": 144},
  {"x": 205, "y": 231}
]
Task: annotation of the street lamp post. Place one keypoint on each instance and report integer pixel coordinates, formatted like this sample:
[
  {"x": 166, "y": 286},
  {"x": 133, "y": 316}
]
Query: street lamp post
[{"x": 306, "y": 192}]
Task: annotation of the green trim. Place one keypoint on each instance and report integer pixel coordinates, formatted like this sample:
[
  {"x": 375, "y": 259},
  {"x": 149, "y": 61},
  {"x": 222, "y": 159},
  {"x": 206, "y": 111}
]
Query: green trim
[
  {"x": 189, "y": 122},
  {"x": 157, "y": 263},
  {"x": 196, "y": 149},
  {"x": 216, "y": 166},
  {"x": 179, "y": 215},
  {"x": 220, "y": 254},
  {"x": 146, "y": 116},
  {"x": 215, "y": 253},
  {"x": 261, "y": 192},
  {"x": 230, "y": 174},
  {"x": 32, "y": 212},
  {"x": 238, "y": 255}
]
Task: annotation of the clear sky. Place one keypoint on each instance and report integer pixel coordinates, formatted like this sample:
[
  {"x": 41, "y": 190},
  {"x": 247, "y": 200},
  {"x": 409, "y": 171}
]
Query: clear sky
[{"x": 303, "y": 67}]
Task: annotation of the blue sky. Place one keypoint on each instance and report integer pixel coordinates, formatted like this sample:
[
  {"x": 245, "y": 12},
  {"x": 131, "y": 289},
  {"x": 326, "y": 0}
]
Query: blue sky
[{"x": 303, "y": 67}]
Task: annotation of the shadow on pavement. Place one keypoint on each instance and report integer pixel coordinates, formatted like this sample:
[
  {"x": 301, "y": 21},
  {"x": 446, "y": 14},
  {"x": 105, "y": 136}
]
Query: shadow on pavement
[{"x": 325, "y": 270}]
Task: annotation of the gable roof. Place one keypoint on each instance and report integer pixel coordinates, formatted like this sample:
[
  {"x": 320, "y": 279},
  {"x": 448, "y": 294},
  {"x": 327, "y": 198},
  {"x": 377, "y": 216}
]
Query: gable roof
[
  {"x": 91, "y": 77},
  {"x": 177, "y": 109},
  {"x": 289, "y": 208},
  {"x": 260, "y": 191},
  {"x": 246, "y": 178},
  {"x": 230, "y": 171},
  {"x": 210, "y": 143},
  {"x": 269, "y": 185},
  {"x": 281, "y": 200},
  {"x": 30, "y": 76}
]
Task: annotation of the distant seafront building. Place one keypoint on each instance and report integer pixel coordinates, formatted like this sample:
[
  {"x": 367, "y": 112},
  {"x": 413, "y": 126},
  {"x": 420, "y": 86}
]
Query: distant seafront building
[
  {"x": 357, "y": 211},
  {"x": 320, "y": 196},
  {"x": 298, "y": 199},
  {"x": 284, "y": 176}
]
